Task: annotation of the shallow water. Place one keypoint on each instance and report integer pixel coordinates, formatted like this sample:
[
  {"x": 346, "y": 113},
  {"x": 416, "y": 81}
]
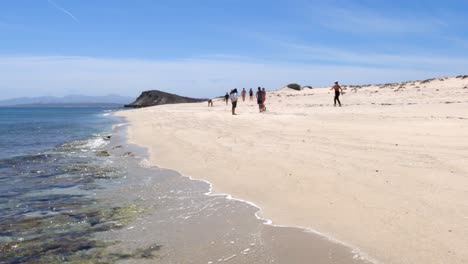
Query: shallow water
[{"x": 51, "y": 187}]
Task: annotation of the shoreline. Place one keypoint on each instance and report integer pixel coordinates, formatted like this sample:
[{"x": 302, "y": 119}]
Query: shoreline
[
  {"x": 271, "y": 241},
  {"x": 358, "y": 254},
  {"x": 384, "y": 200}
]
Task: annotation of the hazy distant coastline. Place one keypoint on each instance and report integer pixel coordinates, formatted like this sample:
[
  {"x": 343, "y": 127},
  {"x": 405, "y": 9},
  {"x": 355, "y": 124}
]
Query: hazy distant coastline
[
  {"x": 68, "y": 101},
  {"x": 104, "y": 105}
]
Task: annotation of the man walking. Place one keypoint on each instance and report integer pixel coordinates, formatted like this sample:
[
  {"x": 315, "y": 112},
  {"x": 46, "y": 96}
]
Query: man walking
[{"x": 337, "y": 89}]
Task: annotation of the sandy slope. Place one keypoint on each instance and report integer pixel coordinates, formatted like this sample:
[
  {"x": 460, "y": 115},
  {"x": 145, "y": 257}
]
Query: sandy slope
[{"x": 387, "y": 173}]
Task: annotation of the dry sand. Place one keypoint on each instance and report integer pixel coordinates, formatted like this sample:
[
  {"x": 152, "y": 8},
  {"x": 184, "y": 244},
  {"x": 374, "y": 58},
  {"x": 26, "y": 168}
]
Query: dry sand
[{"x": 386, "y": 173}]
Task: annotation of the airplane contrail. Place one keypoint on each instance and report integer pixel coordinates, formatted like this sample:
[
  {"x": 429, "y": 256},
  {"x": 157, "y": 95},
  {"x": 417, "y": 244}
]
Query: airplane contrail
[{"x": 63, "y": 10}]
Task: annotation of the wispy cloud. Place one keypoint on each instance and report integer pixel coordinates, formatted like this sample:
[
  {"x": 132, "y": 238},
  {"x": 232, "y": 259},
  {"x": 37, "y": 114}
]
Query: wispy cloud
[
  {"x": 61, "y": 75},
  {"x": 63, "y": 10},
  {"x": 347, "y": 56},
  {"x": 291, "y": 49}
]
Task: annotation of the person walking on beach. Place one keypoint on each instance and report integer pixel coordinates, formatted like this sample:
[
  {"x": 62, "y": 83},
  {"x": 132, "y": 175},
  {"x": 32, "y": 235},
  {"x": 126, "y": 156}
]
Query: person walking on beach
[
  {"x": 226, "y": 98},
  {"x": 263, "y": 98},
  {"x": 251, "y": 94},
  {"x": 259, "y": 96},
  {"x": 337, "y": 89},
  {"x": 234, "y": 100},
  {"x": 243, "y": 94}
]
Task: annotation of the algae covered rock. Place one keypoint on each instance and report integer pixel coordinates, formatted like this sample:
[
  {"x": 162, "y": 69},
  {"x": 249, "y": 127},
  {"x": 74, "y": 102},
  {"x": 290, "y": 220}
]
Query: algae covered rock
[{"x": 103, "y": 153}]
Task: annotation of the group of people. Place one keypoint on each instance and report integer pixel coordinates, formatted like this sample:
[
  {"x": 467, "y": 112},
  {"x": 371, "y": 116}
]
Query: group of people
[{"x": 260, "y": 95}]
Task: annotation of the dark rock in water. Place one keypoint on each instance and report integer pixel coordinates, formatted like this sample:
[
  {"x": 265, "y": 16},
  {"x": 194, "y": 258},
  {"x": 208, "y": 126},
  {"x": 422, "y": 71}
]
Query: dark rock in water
[
  {"x": 294, "y": 86},
  {"x": 103, "y": 153},
  {"x": 155, "y": 97}
]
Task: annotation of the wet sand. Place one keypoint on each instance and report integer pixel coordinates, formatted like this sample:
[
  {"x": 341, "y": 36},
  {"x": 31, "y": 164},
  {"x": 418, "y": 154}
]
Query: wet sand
[
  {"x": 193, "y": 226},
  {"x": 386, "y": 173}
]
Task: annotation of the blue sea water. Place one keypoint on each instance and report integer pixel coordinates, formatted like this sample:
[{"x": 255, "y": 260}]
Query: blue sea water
[
  {"x": 49, "y": 175},
  {"x": 29, "y": 130}
]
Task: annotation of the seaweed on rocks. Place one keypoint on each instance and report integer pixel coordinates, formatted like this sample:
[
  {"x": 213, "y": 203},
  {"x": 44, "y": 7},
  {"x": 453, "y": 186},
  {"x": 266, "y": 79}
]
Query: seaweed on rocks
[
  {"x": 62, "y": 232},
  {"x": 47, "y": 216},
  {"x": 103, "y": 153}
]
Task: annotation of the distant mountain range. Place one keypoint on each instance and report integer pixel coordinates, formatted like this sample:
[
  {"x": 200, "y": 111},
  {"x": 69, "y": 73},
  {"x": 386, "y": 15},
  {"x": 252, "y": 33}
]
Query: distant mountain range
[{"x": 69, "y": 100}]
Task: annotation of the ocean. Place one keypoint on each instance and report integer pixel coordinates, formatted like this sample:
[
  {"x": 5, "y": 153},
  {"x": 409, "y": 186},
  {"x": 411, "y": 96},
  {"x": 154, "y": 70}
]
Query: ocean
[
  {"x": 31, "y": 130},
  {"x": 50, "y": 174}
]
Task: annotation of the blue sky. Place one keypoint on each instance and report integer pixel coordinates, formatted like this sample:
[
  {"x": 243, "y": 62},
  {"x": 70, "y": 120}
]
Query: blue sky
[{"x": 204, "y": 48}]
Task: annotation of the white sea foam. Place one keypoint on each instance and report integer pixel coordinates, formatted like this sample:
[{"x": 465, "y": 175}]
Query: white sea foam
[
  {"x": 145, "y": 163},
  {"x": 95, "y": 143},
  {"x": 118, "y": 125}
]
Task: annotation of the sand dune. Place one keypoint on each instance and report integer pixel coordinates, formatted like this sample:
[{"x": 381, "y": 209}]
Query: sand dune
[{"x": 386, "y": 173}]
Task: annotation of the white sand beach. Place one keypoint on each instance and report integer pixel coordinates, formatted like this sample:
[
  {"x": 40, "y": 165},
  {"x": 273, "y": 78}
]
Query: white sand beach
[{"x": 387, "y": 173}]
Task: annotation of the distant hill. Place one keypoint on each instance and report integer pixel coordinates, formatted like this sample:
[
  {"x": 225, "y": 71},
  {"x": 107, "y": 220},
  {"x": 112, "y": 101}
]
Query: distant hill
[
  {"x": 67, "y": 100},
  {"x": 155, "y": 97}
]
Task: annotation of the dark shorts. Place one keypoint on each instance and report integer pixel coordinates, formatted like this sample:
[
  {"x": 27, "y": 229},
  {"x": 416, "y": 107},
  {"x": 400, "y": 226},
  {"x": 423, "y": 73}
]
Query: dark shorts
[
  {"x": 234, "y": 104},
  {"x": 259, "y": 101},
  {"x": 337, "y": 94}
]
